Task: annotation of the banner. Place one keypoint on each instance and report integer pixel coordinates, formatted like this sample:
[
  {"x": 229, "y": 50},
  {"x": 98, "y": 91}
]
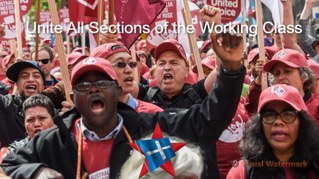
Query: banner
[
  {"x": 172, "y": 19},
  {"x": 162, "y": 28},
  {"x": 44, "y": 23},
  {"x": 135, "y": 14},
  {"x": 230, "y": 9},
  {"x": 7, "y": 16},
  {"x": 83, "y": 11},
  {"x": 275, "y": 9},
  {"x": 64, "y": 18}
]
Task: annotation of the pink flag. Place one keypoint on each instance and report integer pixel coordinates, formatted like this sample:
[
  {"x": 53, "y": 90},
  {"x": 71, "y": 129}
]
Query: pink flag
[
  {"x": 83, "y": 11},
  {"x": 133, "y": 13}
]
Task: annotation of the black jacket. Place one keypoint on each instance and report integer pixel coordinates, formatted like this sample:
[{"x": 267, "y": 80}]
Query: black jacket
[
  {"x": 11, "y": 119},
  {"x": 201, "y": 124}
]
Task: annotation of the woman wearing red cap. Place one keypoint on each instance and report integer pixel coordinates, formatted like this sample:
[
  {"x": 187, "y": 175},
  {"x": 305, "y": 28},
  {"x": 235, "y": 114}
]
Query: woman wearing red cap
[
  {"x": 281, "y": 141},
  {"x": 291, "y": 68}
]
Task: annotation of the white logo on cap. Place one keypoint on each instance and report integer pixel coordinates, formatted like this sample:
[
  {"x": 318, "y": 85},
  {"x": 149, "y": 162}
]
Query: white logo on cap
[
  {"x": 282, "y": 53},
  {"x": 206, "y": 60},
  {"x": 278, "y": 90},
  {"x": 89, "y": 61}
]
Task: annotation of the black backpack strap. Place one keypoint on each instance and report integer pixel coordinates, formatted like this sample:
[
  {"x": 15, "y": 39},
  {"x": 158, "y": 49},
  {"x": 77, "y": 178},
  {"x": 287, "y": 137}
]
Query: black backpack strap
[
  {"x": 150, "y": 94},
  {"x": 192, "y": 94}
]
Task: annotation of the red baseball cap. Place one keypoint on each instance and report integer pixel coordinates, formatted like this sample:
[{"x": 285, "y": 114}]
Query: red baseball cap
[
  {"x": 108, "y": 49},
  {"x": 253, "y": 53},
  {"x": 291, "y": 58},
  {"x": 170, "y": 44},
  {"x": 46, "y": 40},
  {"x": 209, "y": 62},
  {"x": 79, "y": 49},
  {"x": 74, "y": 57},
  {"x": 92, "y": 64},
  {"x": 314, "y": 67},
  {"x": 282, "y": 92},
  {"x": 205, "y": 45}
]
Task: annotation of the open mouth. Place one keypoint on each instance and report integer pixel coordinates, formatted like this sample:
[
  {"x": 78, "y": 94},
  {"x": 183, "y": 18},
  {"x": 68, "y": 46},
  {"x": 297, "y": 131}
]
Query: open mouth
[
  {"x": 97, "y": 105},
  {"x": 167, "y": 77},
  {"x": 31, "y": 88},
  {"x": 128, "y": 80},
  {"x": 37, "y": 131}
]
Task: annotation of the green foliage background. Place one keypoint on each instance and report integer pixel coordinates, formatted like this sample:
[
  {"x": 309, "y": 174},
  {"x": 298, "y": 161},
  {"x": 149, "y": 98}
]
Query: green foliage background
[{"x": 44, "y": 6}]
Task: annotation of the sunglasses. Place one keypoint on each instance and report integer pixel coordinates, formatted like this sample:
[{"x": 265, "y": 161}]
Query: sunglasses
[
  {"x": 123, "y": 64},
  {"x": 43, "y": 61}
]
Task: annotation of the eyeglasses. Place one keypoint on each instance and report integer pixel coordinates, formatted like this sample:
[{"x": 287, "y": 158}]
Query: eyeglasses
[
  {"x": 288, "y": 116},
  {"x": 43, "y": 61},
  {"x": 123, "y": 64},
  {"x": 102, "y": 84}
]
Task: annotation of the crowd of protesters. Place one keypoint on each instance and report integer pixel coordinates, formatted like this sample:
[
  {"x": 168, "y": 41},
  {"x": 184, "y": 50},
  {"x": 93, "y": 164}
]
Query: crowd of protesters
[{"x": 234, "y": 126}]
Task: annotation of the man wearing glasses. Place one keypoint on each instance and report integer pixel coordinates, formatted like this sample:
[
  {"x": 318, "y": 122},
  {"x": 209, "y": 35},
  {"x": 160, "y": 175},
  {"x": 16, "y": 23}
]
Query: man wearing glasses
[
  {"x": 124, "y": 66},
  {"x": 46, "y": 63}
]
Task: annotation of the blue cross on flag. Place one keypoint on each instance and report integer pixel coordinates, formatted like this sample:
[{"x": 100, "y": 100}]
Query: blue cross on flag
[{"x": 157, "y": 151}]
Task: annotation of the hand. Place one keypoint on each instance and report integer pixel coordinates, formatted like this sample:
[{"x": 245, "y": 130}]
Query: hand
[
  {"x": 66, "y": 107},
  {"x": 108, "y": 38},
  {"x": 211, "y": 15},
  {"x": 228, "y": 47},
  {"x": 47, "y": 173},
  {"x": 2, "y": 175},
  {"x": 260, "y": 66}
]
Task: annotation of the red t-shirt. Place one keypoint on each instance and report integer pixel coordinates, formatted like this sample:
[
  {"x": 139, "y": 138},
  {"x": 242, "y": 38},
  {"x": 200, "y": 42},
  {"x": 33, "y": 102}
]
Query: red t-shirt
[
  {"x": 95, "y": 154},
  {"x": 227, "y": 146}
]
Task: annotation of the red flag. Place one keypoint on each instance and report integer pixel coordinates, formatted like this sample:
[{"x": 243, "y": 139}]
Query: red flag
[
  {"x": 83, "y": 11},
  {"x": 134, "y": 13}
]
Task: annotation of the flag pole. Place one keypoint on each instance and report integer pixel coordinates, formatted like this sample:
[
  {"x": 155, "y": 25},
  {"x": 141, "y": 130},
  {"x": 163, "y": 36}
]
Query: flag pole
[
  {"x": 136, "y": 70},
  {"x": 83, "y": 41},
  {"x": 243, "y": 22},
  {"x": 37, "y": 19},
  {"x": 68, "y": 50},
  {"x": 111, "y": 12},
  {"x": 100, "y": 17},
  {"x": 18, "y": 54},
  {"x": 192, "y": 39},
  {"x": 59, "y": 44},
  {"x": 261, "y": 45}
]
